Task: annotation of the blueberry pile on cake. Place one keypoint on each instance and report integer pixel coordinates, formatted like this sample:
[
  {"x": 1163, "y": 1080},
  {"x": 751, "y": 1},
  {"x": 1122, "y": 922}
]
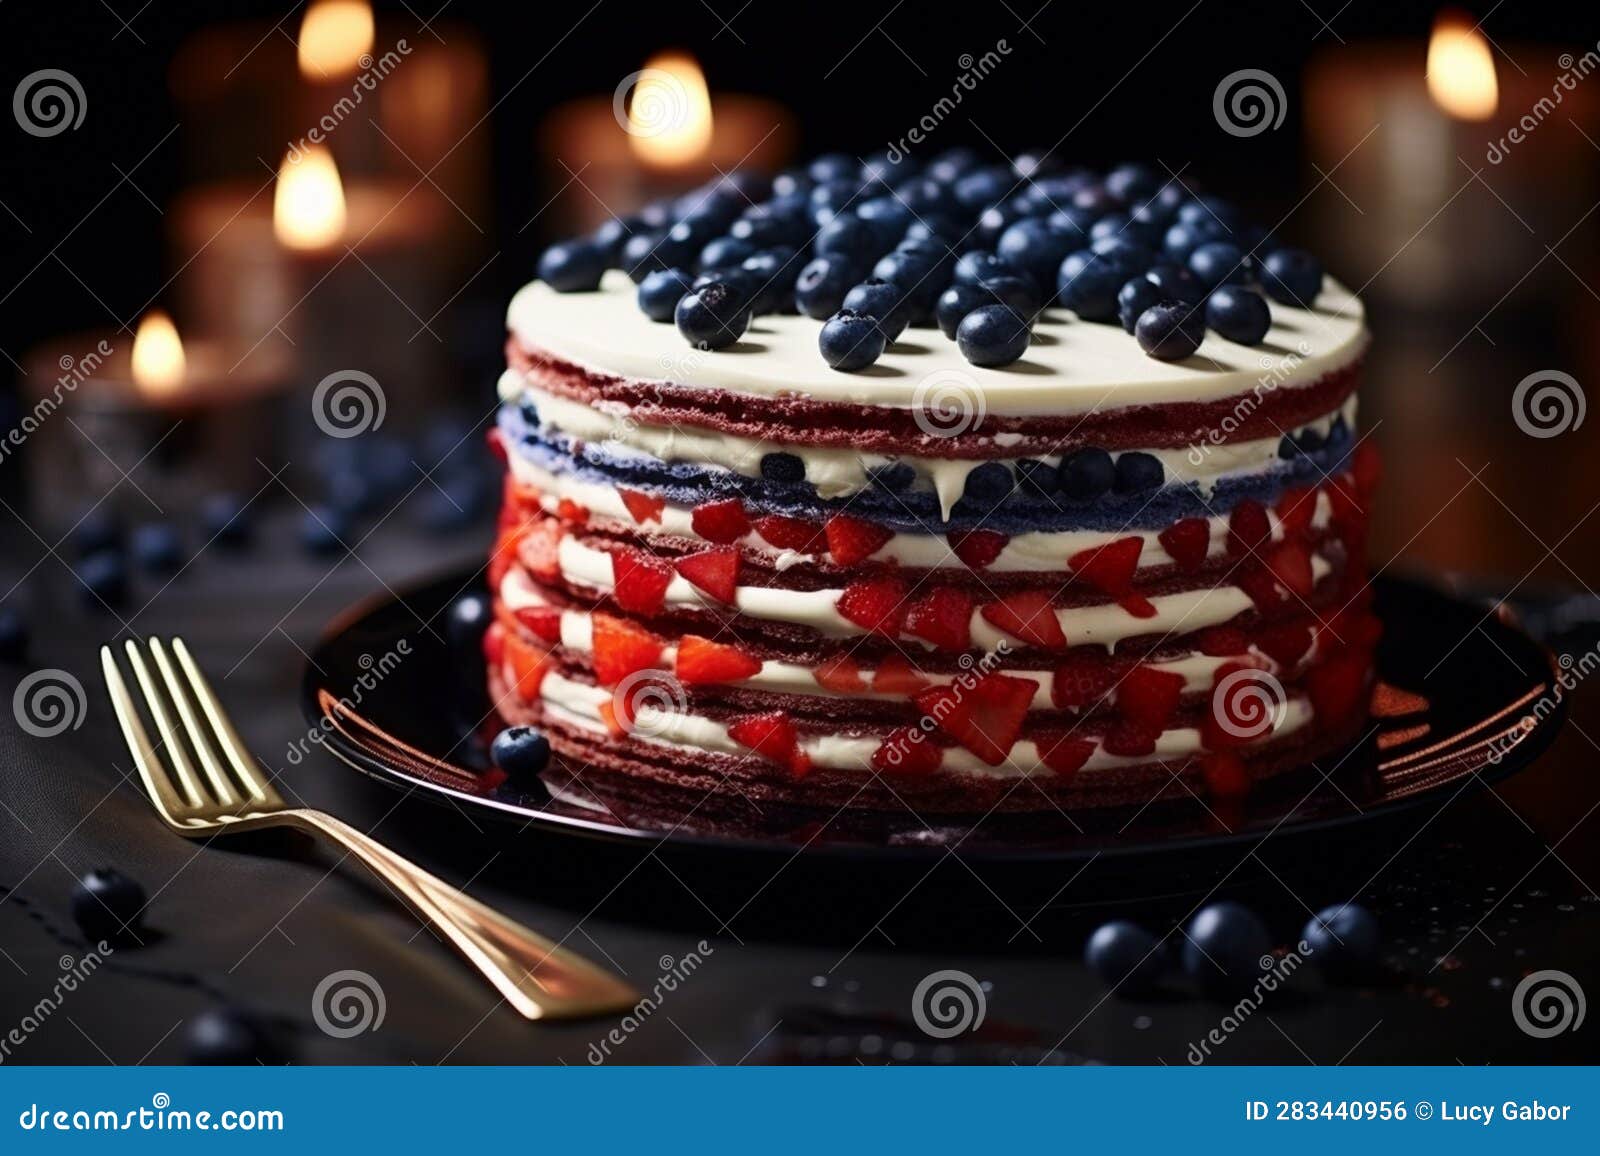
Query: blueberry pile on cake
[{"x": 959, "y": 487}]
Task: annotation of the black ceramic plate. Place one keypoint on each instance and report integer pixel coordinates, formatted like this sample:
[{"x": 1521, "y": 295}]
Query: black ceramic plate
[{"x": 1463, "y": 694}]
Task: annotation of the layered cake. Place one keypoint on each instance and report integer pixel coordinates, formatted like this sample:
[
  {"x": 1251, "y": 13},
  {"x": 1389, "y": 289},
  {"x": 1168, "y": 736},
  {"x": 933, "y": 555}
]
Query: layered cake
[{"x": 1042, "y": 489}]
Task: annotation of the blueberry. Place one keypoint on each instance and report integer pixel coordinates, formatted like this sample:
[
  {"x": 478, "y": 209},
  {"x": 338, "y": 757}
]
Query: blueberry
[
  {"x": 952, "y": 163},
  {"x": 1095, "y": 198},
  {"x": 883, "y": 301},
  {"x": 955, "y": 303},
  {"x": 1292, "y": 276},
  {"x": 225, "y": 520},
  {"x": 1309, "y": 440},
  {"x": 640, "y": 254},
  {"x": 1223, "y": 214},
  {"x": 1086, "y": 473},
  {"x": 776, "y": 270},
  {"x": 98, "y": 529},
  {"x": 1218, "y": 263},
  {"x": 989, "y": 484},
  {"x": 1037, "y": 478},
  {"x": 229, "y": 1036},
  {"x": 1134, "y": 298},
  {"x": 13, "y": 635},
  {"x": 612, "y": 235},
  {"x": 660, "y": 292},
  {"x": 1088, "y": 284},
  {"x": 1343, "y": 939},
  {"x": 1015, "y": 293},
  {"x": 349, "y": 491},
  {"x": 520, "y": 751},
  {"x": 946, "y": 232},
  {"x": 992, "y": 335},
  {"x": 1028, "y": 165},
  {"x": 979, "y": 189},
  {"x": 1126, "y": 957},
  {"x": 1239, "y": 314},
  {"x": 1138, "y": 471},
  {"x": 832, "y": 196},
  {"x": 850, "y": 340},
  {"x": 157, "y": 547},
  {"x": 721, "y": 252},
  {"x": 1185, "y": 237},
  {"x": 323, "y": 530},
  {"x": 972, "y": 267},
  {"x": 1133, "y": 182},
  {"x": 1338, "y": 430},
  {"x": 713, "y": 317},
  {"x": 893, "y": 477},
  {"x": 1176, "y": 283},
  {"x": 103, "y": 579},
  {"x": 887, "y": 166},
  {"x": 1287, "y": 450},
  {"x": 783, "y": 467},
  {"x": 912, "y": 272},
  {"x": 995, "y": 220},
  {"x": 572, "y": 266},
  {"x": 833, "y": 166},
  {"x": 1034, "y": 247},
  {"x": 819, "y": 290},
  {"x": 108, "y": 905},
  {"x": 1119, "y": 226},
  {"x": 764, "y": 227},
  {"x": 468, "y": 618},
  {"x": 888, "y": 210},
  {"x": 851, "y": 237},
  {"x": 1074, "y": 223},
  {"x": 1171, "y": 330},
  {"x": 1224, "y": 948}
]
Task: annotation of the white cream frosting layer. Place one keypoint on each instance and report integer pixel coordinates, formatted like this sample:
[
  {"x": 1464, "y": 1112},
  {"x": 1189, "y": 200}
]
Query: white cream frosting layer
[
  {"x": 1040, "y": 550},
  {"x": 578, "y": 704},
  {"x": 1073, "y": 366}
]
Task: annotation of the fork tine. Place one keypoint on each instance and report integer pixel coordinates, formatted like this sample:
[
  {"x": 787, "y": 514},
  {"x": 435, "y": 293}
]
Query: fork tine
[
  {"x": 215, "y": 775},
  {"x": 228, "y": 739},
  {"x": 187, "y": 783},
  {"x": 157, "y": 783}
]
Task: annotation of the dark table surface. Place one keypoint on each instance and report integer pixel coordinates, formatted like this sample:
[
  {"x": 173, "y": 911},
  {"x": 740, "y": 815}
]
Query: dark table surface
[{"x": 1473, "y": 892}]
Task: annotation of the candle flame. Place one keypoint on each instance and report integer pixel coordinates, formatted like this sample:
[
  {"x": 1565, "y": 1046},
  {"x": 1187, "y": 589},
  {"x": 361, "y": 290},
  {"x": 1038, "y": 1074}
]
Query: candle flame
[
  {"x": 334, "y": 37},
  {"x": 1461, "y": 77},
  {"x": 308, "y": 205},
  {"x": 158, "y": 361},
  {"x": 669, "y": 117}
]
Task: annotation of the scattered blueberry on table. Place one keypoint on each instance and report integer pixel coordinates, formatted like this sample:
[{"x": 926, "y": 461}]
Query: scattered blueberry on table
[
  {"x": 13, "y": 635},
  {"x": 1126, "y": 957},
  {"x": 1224, "y": 946},
  {"x": 157, "y": 548},
  {"x": 225, "y": 520},
  {"x": 103, "y": 580},
  {"x": 1344, "y": 941},
  {"x": 520, "y": 750},
  {"x": 108, "y": 905},
  {"x": 229, "y": 1036},
  {"x": 323, "y": 530}
]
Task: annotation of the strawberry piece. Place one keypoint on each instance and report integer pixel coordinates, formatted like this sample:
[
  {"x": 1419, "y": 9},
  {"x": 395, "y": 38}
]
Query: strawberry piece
[
  {"x": 977, "y": 548},
  {"x": 715, "y": 571},
  {"x": 1224, "y": 775},
  {"x": 1188, "y": 540},
  {"x": 985, "y": 718},
  {"x": 839, "y": 674},
  {"x": 907, "y": 751},
  {"x": 1366, "y": 464},
  {"x": 543, "y": 621},
  {"x": 1222, "y": 641},
  {"x": 772, "y": 736},
  {"x": 539, "y": 549},
  {"x": 723, "y": 521},
  {"x": 643, "y": 507},
  {"x": 1082, "y": 681},
  {"x": 1262, "y": 588},
  {"x": 1027, "y": 616},
  {"x": 497, "y": 443},
  {"x": 528, "y": 666},
  {"x": 621, "y": 648},
  {"x": 1149, "y": 696},
  {"x": 1109, "y": 568},
  {"x": 852, "y": 540},
  {"x": 1338, "y": 685},
  {"x": 1138, "y": 605},
  {"x": 1297, "y": 505},
  {"x": 1130, "y": 739},
  {"x": 494, "y": 644},
  {"x": 1348, "y": 512},
  {"x": 616, "y": 727},
  {"x": 504, "y": 553},
  {"x": 1285, "y": 642},
  {"x": 1063, "y": 754},
  {"x": 640, "y": 580},
  {"x": 702, "y": 661},
  {"x": 1247, "y": 528},
  {"x": 1290, "y": 563},
  {"x": 943, "y": 617},
  {"x": 798, "y": 534},
  {"x": 874, "y": 604},
  {"x": 570, "y": 511},
  {"x": 895, "y": 675}
]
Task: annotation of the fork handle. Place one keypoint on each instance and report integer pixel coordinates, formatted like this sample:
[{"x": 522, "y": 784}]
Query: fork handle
[{"x": 541, "y": 979}]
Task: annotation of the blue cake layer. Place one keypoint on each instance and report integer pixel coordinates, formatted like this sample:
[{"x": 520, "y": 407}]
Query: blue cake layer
[{"x": 915, "y": 511}]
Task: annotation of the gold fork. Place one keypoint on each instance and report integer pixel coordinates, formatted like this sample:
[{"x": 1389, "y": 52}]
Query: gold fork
[{"x": 540, "y": 979}]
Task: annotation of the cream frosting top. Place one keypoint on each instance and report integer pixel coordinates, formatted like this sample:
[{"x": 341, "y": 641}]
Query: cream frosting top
[{"x": 1072, "y": 366}]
